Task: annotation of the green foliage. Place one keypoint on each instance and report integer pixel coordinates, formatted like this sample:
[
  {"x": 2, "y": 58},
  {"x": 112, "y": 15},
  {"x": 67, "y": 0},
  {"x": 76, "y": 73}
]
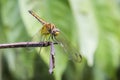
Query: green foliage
[{"x": 94, "y": 22}]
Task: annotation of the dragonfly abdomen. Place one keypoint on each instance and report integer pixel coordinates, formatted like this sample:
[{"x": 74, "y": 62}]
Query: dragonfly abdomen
[{"x": 37, "y": 17}]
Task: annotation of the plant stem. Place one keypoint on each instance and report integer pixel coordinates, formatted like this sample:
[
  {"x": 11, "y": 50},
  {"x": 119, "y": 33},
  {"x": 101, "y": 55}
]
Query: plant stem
[{"x": 25, "y": 44}]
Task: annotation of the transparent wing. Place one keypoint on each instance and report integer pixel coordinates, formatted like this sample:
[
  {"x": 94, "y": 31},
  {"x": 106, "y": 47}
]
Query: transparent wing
[
  {"x": 71, "y": 50},
  {"x": 37, "y": 37}
]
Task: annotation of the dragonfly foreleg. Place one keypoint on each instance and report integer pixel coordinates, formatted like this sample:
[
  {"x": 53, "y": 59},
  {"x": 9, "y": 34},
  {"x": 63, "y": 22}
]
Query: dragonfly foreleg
[{"x": 55, "y": 39}]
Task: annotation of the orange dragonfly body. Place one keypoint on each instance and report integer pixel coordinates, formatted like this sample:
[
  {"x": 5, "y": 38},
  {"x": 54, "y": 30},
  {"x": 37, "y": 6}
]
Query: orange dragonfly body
[
  {"x": 48, "y": 28},
  {"x": 52, "y": 31}
]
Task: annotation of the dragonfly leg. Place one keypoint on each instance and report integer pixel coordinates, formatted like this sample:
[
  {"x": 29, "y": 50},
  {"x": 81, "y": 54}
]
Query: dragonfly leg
[
  {"x": 55, "y": 39},
  {"x": 49, "y": 38},
  {"x": 60, "y": 43}
]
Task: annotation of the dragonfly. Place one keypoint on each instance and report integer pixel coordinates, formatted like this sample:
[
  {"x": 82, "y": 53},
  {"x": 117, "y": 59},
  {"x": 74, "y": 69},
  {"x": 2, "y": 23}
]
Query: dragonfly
[{"x": 49, "y": 32}]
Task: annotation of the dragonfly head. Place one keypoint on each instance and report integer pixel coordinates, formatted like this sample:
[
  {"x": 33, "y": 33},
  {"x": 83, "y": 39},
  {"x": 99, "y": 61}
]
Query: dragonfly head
[{"x": 55, "y": 31}]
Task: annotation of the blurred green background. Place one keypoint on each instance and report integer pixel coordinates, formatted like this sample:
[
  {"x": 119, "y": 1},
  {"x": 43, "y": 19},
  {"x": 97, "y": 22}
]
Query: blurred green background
[{"x": 95, "y": 24}]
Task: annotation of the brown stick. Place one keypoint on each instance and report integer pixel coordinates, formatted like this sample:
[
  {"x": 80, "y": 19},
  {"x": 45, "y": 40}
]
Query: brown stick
[{"x": 25, "y": 44}]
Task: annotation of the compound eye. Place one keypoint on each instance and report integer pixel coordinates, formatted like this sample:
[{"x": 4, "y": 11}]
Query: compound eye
[{"x": 57, "y": 33}]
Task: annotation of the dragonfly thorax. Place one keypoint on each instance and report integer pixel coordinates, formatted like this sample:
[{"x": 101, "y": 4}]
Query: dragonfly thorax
[{"x": 51, "y": 28}]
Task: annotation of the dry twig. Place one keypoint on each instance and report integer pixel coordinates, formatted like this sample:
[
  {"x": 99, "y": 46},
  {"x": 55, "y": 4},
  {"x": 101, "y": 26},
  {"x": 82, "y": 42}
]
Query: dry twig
[{"x": 25, "y": 44}]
